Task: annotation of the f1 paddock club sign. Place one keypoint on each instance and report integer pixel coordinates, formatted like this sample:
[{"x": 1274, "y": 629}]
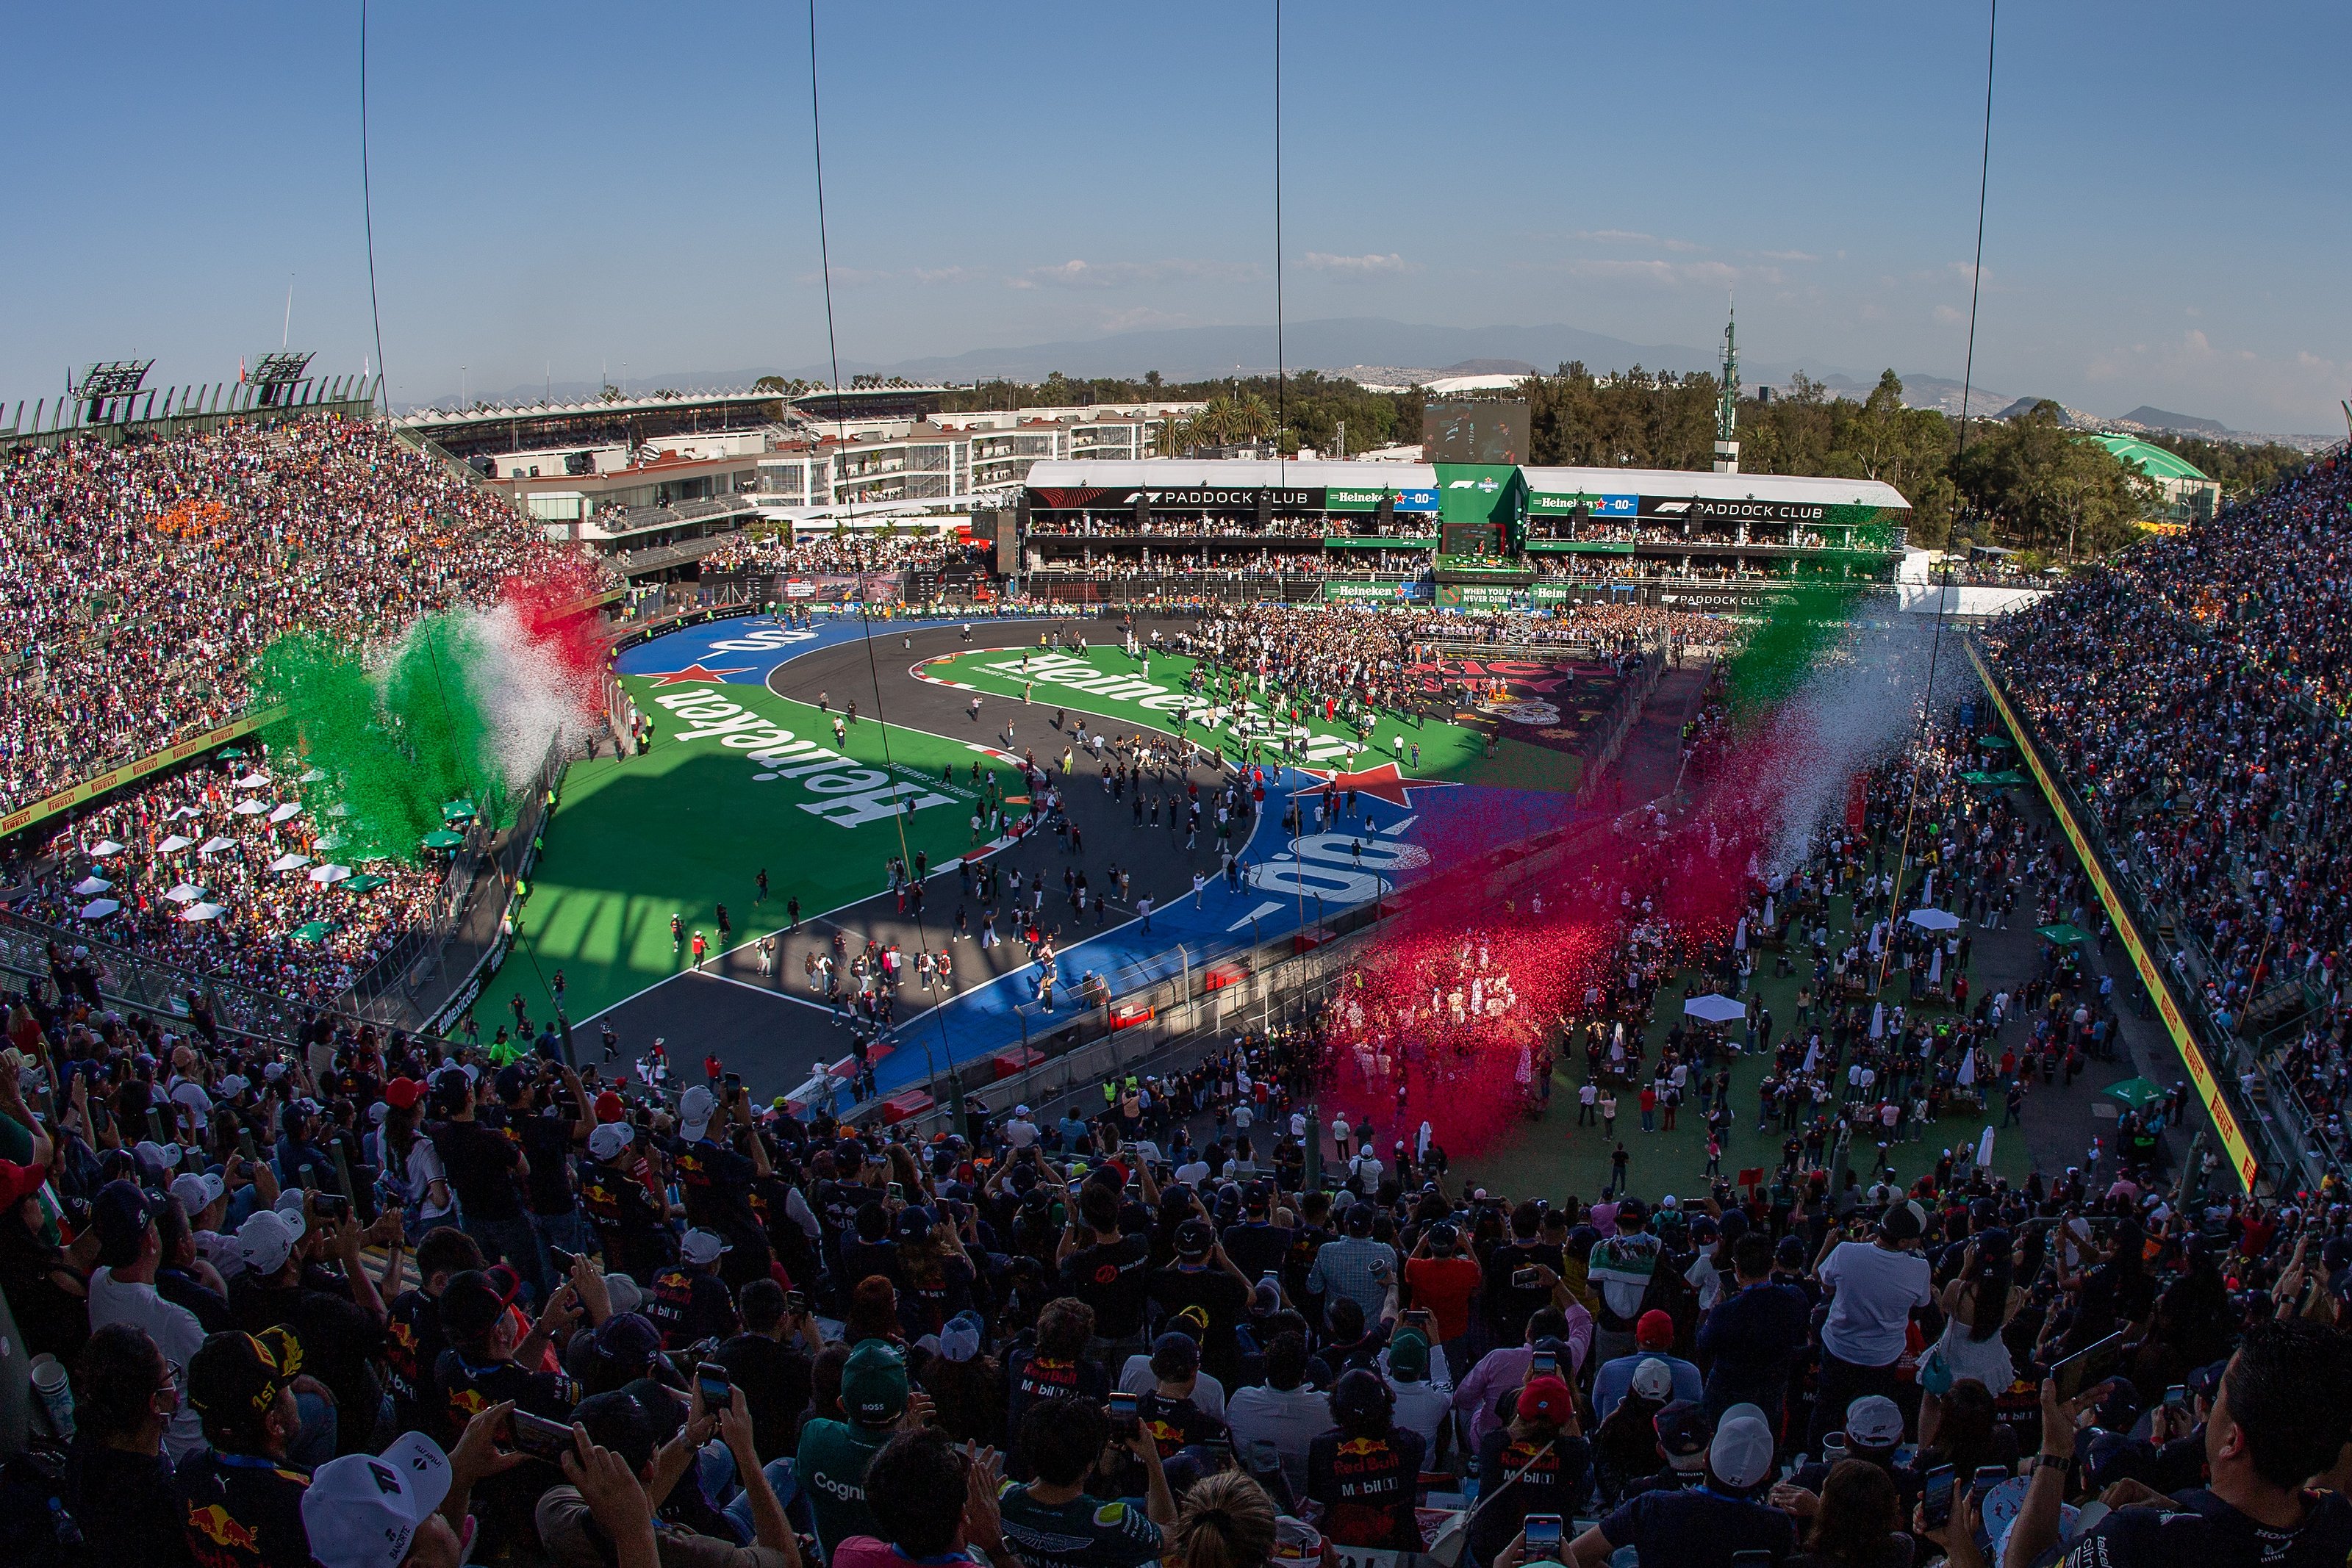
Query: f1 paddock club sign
[{"x": 1288, "y": 500}]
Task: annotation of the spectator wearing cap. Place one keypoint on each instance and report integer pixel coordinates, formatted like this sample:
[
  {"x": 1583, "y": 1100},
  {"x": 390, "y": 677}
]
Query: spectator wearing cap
[
  {"x": 1422, "y": 1401},
  {"x": 1873, "y": 1432},
  {"x": 1510, "y": 1292},
  {"x": 659, "y": 1447},
  {"x": 1653, "y": 1340},
  {"x": 550, "y": 1132},
  {"x": 1537, "y": 1462},
  {"x": 688, "y": 1300},
  {"x": 933, "y": 1271},
  {"x": 1366, "y": 1475},
  {"x": 45, "y": 1286},
  {"x": 1753, "y": 1336},
  {"x": 716, "y": 1181},
  {"x": 486, "y": 1170},
  {"x": 338, "y": 1313},
  {"x": 493, "y": 1358},
  {"x": 413, "y": 1176},
  {"x": 184, "y": 1277},
  {"x": 833, "y": 1456},
  {"x": 1283, "y": 1411},
  {"x": 1481, "y": 1395},
  {"x": 1877, "y": 1285},
  {"x": 242, "y": 1495},
  {"x": 1175, "y": 1367},
  {"x": 118, "y": 1481},
  {"x": 965, "y": 1383},
  {"x": 1203, "y": 1280},
  {"x": 1443, "y": 1277},
  {"x": 123, "y": 1290},
  {"x": 623, "y": 1203},
  {"x": 1051, "y": 1522},
  {"x": 1107, "y": 1269},
  {"x": 413, "y": 1340},
  {"x": 1626, "y": 1443},
  {"x": 1256, "y": 1244},
  {"x": 405, "y": 1508},
  {"x": 772, "y": 1361},
  {"x": 838, "y": 1198},
  {"x": 1354, "y": 1265},
  {"x": 1172, "y": 1409},
  {"x": 1683, "y": 1431},
  {"x": 1705, "y": 1526}
]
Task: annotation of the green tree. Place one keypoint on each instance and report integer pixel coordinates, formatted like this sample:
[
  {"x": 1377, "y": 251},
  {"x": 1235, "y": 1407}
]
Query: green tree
[{"x": 2047, "y": 488}]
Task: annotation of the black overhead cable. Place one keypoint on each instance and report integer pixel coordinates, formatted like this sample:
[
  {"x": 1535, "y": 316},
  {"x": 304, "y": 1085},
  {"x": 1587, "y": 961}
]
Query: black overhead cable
[
  {"x": 367, "y": 199},
  {"x": 1976, "y": 272}
]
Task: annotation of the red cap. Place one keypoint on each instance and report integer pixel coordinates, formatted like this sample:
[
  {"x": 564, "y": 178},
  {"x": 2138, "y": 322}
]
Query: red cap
[
  {"x": 608, "y": 1107},
  {"x": 19, "y": 1183},
  {"x": 1655, "y": 1330},
  {"x": 403, "y": 1094},
  {"x": 1546, "y": 1399}
]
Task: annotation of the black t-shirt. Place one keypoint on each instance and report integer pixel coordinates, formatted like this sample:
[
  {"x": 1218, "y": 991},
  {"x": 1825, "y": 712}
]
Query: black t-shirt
[
  {"x": 242, "y": 1512},
  {"x": 1554, "y": 1483},
  {"x": 860, "y": 1261},
  {"x": 635, "y": 1233},
  {"x": 1029, "y": 1378},
  {"x": 838, "y": 1203},
  {"x": 1367, "y": 1487},
  {"x": 1257, "y": 1248},
  {"x": 689, "y": 1305},
  {"x": 1220, "y": 1295},
  {"x": 1112, "y": 1279},
  {"x": 341, "y": 1343},
  {"x": 129, "y": 1511},
  {"x": 469, "y": 1387},
  {"x": 717, "y": 1182},
  {"x": 547, "y": 1142},
  {"x": 1698, "y": 1527},
  {"x": 775, "y": 1380},
  {"x": 926, "y": 1305},
  {"x": 481, "y": 1162},
  {"x": 2209, "y": 1534},
  {"x": 183, "y": 1289},
  {"x": 1509, "y": 1306},
  {"x": 412, "y": 1343}
]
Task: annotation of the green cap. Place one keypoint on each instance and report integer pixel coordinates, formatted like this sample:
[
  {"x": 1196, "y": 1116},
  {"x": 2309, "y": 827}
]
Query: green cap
[
  {"x": 873, "y": 1384},
  {"x": 1409, "y": 1357}
]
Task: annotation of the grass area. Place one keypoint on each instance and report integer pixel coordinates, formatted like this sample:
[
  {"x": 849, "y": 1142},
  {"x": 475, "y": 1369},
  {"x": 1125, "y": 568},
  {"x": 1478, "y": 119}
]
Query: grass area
[
  {"x": 1554, "y": 1157},
  {"x": 1148, "y": 692},
  {"x": 720, "y": 795}
]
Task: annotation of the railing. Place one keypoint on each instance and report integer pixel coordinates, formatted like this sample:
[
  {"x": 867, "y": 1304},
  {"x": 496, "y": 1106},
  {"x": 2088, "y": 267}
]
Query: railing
[{"x": 186, "y": 409}]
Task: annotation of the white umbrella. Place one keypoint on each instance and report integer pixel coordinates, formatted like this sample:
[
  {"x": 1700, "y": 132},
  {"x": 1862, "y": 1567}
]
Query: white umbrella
[
  {"x": 182, "y": 813},
  {"x": 1878, "y": 1021},
  {"x": 186, "y": 892},
  {"x": 173, "y": 845},
  {"x": 105, "y": 847},
  {"x": 290, "y": 862},
  {"x": 1933, "y": 919},
  {"x": 197, "y": 912},
  {"x": 1936, "y": 967},
  {"x": 1967, "y": 1074},
  {"x": 91, "y": 884},
  {"x": 253, "y": 781},
  {"x": 100, "y": 909},
  {"x": 1714, "y": 1008},
  {"x": 251, "y": 808},
  {"x": 331, "y": 842},
  {"x": 312, "y": 776},
  {"x": 327, "y": 873},
  {"x": 1739, "y": 937},
  {"x": 1769, "y": 921},
  {"x": 213, "y": 846},
  {"x": 1984, "y": 1146},
  {"x": 282, "y": 812}
]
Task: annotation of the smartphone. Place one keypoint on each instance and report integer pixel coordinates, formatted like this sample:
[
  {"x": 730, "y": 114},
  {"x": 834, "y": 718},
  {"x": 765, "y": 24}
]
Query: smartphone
[
  {"x": 2176, "y": 1396},
  {"x": 796, "y": 1302},
  {"x": 1935, "y": 1497},
  {"x": 1526, "y": 1280},
  {"x": 1986, "y": 1477},
  {"x": 710, "y": 1382},
  {"x": 1124, "y": 1422},
  {"x": 2088, "y": 1367},
  {"x": 1419, "y": 1320},
  {"x": 537, "y": 1437},
  {"x": 1543, "y": 1534},
  {"x": 896, "y": 1192},
  {"x": 564, "y": 1260},
  {"x": 1543, "y": 1363},
  {"x": 731, "y": 1080},
  {"x": 330, "y": 1206}
]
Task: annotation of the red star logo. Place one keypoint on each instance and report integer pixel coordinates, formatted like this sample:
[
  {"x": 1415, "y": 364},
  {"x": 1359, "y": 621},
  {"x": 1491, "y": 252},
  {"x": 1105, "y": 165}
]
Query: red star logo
[
  {"x": 694, "y": 673},
  {"x": 1382, "y": 783}
]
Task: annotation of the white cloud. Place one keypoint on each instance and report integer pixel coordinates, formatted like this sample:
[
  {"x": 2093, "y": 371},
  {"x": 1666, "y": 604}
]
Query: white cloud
[
  {"x": 1947, "y": 317},
  {"x": 2191, "y": 372},
  {"x": 1970, "y": 270},
  {"x": 1371, "y": 265},
  {"x": 1786, "y": 256},
  {"x": 1077, "y": 273},
  {"x": 1634, "y": 236},
  {"x": 860, "y": 277}
]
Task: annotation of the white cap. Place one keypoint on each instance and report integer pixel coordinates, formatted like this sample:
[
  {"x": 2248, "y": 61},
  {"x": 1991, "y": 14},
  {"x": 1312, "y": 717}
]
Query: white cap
[
  {"x": 610, "y": 1138},
  {"x": 233, "y": 1086},
  {"x": 702, "y": 1247},
  {"x": 1653, "y": 1379},
  {"x": 624, "y": 1292},
  {"x": 1741, "y": 1455},
  {"x": 363, "y": 1511},
  {"x": 266, "y": 1240},
  {"x": 165, "y": 1154},
  {"x": 274, "y": 1072},
  {"x": 694, "y": 1109},
  {"x": 1021, "y": 1110},
  {"x": 197, "y": 1190},
  {"x": 289, "y": 1204}
]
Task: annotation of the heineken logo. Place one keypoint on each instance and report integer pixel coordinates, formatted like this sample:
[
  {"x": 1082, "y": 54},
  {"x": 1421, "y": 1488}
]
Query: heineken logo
[{"x": 847, "y": 793}]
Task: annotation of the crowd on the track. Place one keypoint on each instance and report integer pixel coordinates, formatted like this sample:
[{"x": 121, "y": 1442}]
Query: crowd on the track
[
  {"x": 2194, "y": 692},
  {"x": 138, "y": 580}
]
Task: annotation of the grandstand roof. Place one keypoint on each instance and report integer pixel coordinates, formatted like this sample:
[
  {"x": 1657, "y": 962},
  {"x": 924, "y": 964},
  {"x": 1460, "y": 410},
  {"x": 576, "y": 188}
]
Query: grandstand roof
[
  {"x": 1696, "y": 484},
  {"x": 1178, "y": 472},
  {"x": 2150, "y": 459}
]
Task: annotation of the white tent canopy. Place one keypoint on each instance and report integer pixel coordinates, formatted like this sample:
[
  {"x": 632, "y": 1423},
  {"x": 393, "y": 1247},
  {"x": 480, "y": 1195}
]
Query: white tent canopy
[
  {"x": 251, "y": 808},
  {"x": 213, "y": 846},
  {"x": 186, "y": 893},
  {"x": 326, "y": 874},
  {"x": 197, "y": 912},
  {"x": 183, "y": 813},
  {"x": 1714, "y": 1008},
  {"x": 99, "y": 909},
  {"x": 1933, "y": 919},
  {"x": 290, "y": 862},
  {"x": 91, "y": 884},
  {"x": 105, "y": 847},
  {"x": 173, "y": 845},
  {"x": 282, "y": 812}
]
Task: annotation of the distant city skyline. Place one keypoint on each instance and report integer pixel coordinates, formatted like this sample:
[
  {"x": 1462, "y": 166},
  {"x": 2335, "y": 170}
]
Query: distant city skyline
[{"x": 562, "y": 192}]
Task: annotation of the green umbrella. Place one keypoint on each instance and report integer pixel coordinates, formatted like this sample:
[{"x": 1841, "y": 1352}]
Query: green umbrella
[
  {"x": 230, "y": 754},
  {"x": 2000, "y": 741},
  {"x": 2009, "y": 776},
  {"x": 443, "y": 839},
  {"x": 2063, "y": 933},
  {"x": 316, "y": 931},
  {"x": 2136, "y": 1093},
  {"x": 457, "y": 810},
  {"x": 365, "y": 883},
  {"x": 1981, "y": 779}
]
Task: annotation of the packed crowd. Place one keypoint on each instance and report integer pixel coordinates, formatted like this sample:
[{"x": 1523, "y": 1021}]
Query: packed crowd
[
  {"x": 360, "y": 1304},
  {"x": 2194, "y": 692},
  {"x": 830, "y": 554},
  {"x": 137, "y": 582}
]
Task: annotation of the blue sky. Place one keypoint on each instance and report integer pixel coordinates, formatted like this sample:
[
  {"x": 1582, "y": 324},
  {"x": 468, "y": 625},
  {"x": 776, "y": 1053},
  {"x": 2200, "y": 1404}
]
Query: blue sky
[{"x": 560, "y": 190}]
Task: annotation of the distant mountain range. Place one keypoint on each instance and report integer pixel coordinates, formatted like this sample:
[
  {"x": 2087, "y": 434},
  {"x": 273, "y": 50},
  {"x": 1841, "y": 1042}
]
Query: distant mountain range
[{"x": 1376, "y": 350}]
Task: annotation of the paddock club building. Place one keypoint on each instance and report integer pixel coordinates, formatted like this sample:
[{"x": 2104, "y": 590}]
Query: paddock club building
[{"x": 1466, "y": 535}]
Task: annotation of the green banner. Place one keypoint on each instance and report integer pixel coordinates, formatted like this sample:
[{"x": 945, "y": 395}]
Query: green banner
[
  {"x": 1480, "y": 492},
  {"x": 1580, "y": 546},
  {"x": 1475, "y": 596},
  {"x": 1382, "y": 592},
  {"x": 1408, "y": 542}
]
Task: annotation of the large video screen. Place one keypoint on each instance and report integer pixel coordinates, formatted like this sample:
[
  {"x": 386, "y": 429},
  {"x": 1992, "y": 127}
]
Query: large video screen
[{"x": 1474, "y": 430}]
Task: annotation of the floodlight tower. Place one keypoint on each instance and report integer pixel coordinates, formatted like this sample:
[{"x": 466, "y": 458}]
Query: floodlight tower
[{"x": 1726, "y": 407}]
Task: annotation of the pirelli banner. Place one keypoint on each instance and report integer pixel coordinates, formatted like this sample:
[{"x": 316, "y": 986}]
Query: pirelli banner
[
  {"x": 2239, "y": 1154},
  {"x": 90, "y": 789}
]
